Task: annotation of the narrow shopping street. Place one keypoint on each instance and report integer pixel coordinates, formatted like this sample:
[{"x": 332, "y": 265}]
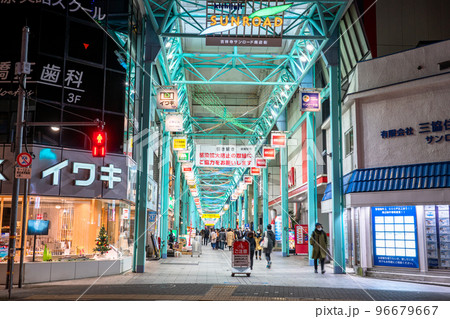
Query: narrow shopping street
[{"x": 208, "y": 277}]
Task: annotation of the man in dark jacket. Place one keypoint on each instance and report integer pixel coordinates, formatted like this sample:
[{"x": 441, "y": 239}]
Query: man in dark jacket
[
  {"x": 319, "y": 242},
  {"x": 205, "y": 237},
  {"x": 270, "y": 237},
  {"x": 222, "y": 238}
]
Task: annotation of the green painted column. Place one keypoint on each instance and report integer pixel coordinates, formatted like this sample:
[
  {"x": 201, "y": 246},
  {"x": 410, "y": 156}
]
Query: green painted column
[
  {"x": 312, "y": 176},
  {"x": 336, "y": 169},
  {"x": 142, "y": 146},
  {"x": 240, "y": 211},
  {"x": 246, "y": 207},
  {"x": 165, "y": 194},
  {"x": 255, "y": 203},
  {"x": 177, "y": 186},
  {"x": 184, "y": 208},
  {"x": 265, "y": 201},
  {"x": 284, "y": 201},
  {"x": 192, "y": 212}
]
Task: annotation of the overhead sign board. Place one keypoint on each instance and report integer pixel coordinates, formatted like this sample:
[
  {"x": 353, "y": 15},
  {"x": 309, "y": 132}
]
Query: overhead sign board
[
  {"x": 278, "y": 139},
  {"x": 167, "y": 97},
  {"x": 248, "y": 179},
  {"x": 255, "y": 171},
  {"x": 269, "y": 153},
  {"x": 186, "y": 168},
  {"x": 174, "y": 123},
  {"x": 210, "y": 216},
  {"x": 260, "y": 162},
  {"x": 183, "y": 156},
  {"x": 239, "y": 23},
  {"x": 179, "y": 143},
  {"x": 225, "y": 156},
  {"x": 310, "y": 102}
]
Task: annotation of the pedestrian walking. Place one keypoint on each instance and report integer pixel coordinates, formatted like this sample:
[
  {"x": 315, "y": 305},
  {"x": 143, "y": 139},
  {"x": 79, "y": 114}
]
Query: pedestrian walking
[
  {"x": 206, "y": 237},
  {"x": 222, "y": 238},
  {"x": 217, "y": 239},
  {"x": 319, "y": 242},
  {"x": 268, "y": 243},
  {"x": 213, "y": 239},
  {"x": 252, "y": 243},
  {"x": 258, "y": 248},
  {"x": 230, "y": 238},
  {"x": 202, "y": 234}
]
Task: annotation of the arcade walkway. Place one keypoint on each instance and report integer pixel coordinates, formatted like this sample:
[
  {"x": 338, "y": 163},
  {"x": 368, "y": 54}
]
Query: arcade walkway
[{"x": 209, "y": 278}]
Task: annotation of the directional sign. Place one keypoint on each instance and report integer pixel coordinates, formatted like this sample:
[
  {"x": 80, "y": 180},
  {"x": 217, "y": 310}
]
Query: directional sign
[{"x": 24, "y": 159}]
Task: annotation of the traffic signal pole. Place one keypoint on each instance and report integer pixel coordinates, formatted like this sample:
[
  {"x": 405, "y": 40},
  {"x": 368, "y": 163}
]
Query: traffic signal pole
[{"x": 18, "y": 150}]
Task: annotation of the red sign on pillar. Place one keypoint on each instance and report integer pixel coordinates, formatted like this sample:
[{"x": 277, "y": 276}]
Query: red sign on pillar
[{"x": 269, "y": 153}]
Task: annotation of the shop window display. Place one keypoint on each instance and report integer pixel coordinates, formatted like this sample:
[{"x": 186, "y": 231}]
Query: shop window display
[
  {"x": 74, "y": 225},
  {"x": 437, "y": 225}
]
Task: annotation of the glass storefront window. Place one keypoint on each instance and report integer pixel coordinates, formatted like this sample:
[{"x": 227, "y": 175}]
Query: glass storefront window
[{"x": 74, "y": 224}]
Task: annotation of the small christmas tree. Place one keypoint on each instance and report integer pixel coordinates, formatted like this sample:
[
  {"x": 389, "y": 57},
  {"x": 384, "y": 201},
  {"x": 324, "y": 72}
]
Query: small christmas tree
[{"x": 102, "y": 241}]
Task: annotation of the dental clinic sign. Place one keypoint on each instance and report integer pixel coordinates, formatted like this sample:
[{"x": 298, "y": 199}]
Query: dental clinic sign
[{"x": 237, "y": 23}]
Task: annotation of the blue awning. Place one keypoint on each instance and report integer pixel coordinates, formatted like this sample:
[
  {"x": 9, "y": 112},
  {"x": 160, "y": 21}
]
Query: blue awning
[{"x": 395, "y": 178}]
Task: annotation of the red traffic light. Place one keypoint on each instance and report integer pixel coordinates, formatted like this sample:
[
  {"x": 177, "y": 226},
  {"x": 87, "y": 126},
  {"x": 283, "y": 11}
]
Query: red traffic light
[{"x": 99, "y": 144}]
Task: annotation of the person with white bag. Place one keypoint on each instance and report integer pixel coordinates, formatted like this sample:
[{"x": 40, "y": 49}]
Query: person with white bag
[{"x": 267, "y": 243}]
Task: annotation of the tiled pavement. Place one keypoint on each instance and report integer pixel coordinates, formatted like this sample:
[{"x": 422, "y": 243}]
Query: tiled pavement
[{"x": 208, "y": 277}]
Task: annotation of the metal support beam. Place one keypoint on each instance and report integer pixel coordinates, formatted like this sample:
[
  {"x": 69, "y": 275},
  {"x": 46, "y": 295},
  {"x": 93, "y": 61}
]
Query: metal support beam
[
  {"x": 142, "y": 175},
  {"x": 184, "y": 208},
  {"x": 246, "y": 207},
  {"x": 165, "y": 193},
  {"x": 176, "y": 207},
  {"x": 255, "y": 203},
  {"x": 265, "y": 202},
  {"x": 240, "y": 211},
  {"x": 336, "y": 170},
  {"x": 284, "y": 201},
  {"x": 312, "y": 176}
]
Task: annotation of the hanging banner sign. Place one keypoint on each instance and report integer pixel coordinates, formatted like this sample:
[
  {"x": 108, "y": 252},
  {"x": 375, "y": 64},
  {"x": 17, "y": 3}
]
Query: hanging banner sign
[
  {"x": 261, "y": 162},
  {"x": 193, "y": 187},
  {"x": 255, "y": 171},
  {"x": 210, "y": 216},
  {"x": 174, "y": 123},
  {"x": 225, "y": 156},
  {"x": 183, "y": 156},
  {"x": 269, "y": 153},
  {"x": 186, "y": 168},
  {"x": 190, "y": 182},
  {"x": 234, "y": 196},
  {"x": 278, "y": 139},
  {"x": 248, "y": 179},
  {"x": 179, "y": 143},
  {"x": 167, "y": 97},
  {"x": 310, "y": 102}
]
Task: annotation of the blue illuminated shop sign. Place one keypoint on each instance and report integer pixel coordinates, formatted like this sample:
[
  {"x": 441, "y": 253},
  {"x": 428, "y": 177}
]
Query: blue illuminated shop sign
[{"x": 394, "y": 231}]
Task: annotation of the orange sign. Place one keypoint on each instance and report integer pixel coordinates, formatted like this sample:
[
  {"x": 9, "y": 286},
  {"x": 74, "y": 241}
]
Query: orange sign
[{"x": 255, "y": 171}]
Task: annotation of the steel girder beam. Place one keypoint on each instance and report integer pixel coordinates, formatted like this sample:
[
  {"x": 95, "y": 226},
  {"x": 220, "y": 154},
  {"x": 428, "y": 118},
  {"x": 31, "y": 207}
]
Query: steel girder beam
[{"x": 315, "y": 21}]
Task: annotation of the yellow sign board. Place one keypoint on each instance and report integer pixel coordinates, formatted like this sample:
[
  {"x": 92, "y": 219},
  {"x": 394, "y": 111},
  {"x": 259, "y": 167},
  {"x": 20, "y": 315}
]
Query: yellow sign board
[
  {"x": 210, "y": 216},
  {"x": 179, "y": 143}
]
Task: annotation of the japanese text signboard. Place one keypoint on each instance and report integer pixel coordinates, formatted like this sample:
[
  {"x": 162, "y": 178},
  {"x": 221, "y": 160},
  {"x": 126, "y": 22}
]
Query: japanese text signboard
[
  {"x": 179, "y": 143},
  {"x": 225, "y": 156},
  {"x": 269, "y": 153},
  {"x": 241, "y": 254},
  {"x": 278, "y": 139},
  {"x": 255, "y": 171},
  {"x": 395, "y": 236},
  {"x": 261, "y": 162},
  {"x": 248, "y": 179},
  {"x": 167, "y": 98},
  {"x": 310, "y": 101},
  {"x": 174, "y": 123}
]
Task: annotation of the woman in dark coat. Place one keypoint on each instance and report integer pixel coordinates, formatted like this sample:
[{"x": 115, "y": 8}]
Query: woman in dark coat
[
  {"x": 252, "y": 242},
  {"x": 319, "y": 242},
  {"x": 271, "y": 243}
]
